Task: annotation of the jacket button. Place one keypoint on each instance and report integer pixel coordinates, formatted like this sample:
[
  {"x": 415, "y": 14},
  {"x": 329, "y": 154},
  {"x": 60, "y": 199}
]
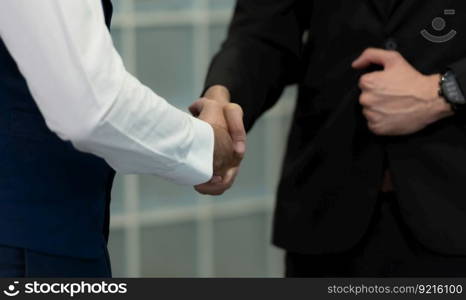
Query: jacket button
[{"x": 391, "y": 44}]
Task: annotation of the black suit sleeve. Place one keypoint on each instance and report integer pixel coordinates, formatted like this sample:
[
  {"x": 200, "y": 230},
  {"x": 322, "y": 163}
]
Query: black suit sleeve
[
  {"x": 459, "y": 69},
  {"x": 261, "y": 54}
]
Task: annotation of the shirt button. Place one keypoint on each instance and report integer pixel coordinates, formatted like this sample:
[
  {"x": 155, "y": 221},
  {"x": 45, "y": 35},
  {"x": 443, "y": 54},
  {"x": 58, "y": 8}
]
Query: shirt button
[{"x": 391, "y": 44}]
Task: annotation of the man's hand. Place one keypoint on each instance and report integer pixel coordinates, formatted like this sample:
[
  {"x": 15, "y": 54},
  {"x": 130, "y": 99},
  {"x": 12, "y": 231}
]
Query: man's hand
[
  {"x": 230, "y": 138},
  {"x": 398, "y": 100}
]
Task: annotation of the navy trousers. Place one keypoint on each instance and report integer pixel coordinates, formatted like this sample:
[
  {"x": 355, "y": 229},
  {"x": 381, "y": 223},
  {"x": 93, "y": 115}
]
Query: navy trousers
[{"x": 20, "y": 262}]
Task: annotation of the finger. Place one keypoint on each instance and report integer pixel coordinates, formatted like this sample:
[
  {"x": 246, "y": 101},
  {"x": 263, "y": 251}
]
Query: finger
[
  {"x": 230, "y": 177},
  {"x": 209, "y": 189},
  {"x": 234, "y": 117},
  {"x": 211, "y": 112},
  {"x": 223, "y": 158},
  {"x": 216, "y": 179},
  {"x": 196, "y": 107},
  {"x": 376, "y": 129},
  {"x": 216, "y": 189},
  {"x": 373, "y": 56},
  {"x": 371, "y": 116},
  {"x": 366, "y": 99},
  {"x": 369, "y": 81}
]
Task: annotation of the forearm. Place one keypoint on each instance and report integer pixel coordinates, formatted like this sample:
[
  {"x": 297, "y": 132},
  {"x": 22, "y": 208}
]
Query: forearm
[
  {"x": 85, "y": 94},
  {"x": 261, "y": 54},
  {"x": 254, "y": 79},
  {"x": 141, "y": 133}
]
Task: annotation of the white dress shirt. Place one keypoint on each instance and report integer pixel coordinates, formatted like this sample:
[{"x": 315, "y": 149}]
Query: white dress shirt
[{"x": 78, "y": 80}]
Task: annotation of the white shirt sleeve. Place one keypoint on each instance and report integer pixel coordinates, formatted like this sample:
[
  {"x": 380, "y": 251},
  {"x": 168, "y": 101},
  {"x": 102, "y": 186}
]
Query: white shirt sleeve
[{"x": 77, "y": 78}]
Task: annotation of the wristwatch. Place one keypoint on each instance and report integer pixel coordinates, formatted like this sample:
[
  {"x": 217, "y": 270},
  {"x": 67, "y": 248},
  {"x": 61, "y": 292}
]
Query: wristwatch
[{"x": 451, "y": 92}]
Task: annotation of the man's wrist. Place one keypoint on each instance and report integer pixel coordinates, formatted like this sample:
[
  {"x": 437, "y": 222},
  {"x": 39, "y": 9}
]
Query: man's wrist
[
  {"x": 440, "y": 107},
  {"x": 219, "y": 93}
]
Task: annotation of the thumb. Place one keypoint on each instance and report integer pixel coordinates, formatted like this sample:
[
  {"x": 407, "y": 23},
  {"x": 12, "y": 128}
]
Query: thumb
[
  {"x": 196, "y": 107},
  {"x": 234, "y": 117},
  {"x": 374, "y": 56}
]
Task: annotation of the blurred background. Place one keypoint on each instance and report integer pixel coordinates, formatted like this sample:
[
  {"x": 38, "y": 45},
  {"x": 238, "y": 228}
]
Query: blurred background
[{"x": 159, "y": 229}]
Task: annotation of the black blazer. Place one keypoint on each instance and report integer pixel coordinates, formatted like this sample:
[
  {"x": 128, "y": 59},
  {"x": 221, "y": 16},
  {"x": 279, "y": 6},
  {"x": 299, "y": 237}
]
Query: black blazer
[{"x": 333, "y": 167}]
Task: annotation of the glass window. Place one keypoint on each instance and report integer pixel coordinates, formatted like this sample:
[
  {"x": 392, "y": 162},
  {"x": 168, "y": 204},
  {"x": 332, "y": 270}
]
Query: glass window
[
  {"x": 118, "y": 194},
  {"x": 117, "y": 39},
  {"x": 163, "y": 5},
  {"x": 118, "y": 253},
  {"x": 165, "y": 62},
  {"x": 217, "y": 36},
  {"x": 157, "y": 193},
  {"x": 169, "y": 251},
  {"x": 221, "y": 4},
  {"x": 240, "y": 245}
]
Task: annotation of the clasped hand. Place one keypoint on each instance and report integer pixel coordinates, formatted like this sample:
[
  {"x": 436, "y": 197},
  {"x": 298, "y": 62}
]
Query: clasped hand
[
  {"x": 399, "y": 100},
  {"x": 226, "y": 120}
]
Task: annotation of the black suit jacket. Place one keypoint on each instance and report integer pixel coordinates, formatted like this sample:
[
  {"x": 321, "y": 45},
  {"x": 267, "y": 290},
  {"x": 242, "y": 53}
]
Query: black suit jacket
[{"x": 333, "y": 168}]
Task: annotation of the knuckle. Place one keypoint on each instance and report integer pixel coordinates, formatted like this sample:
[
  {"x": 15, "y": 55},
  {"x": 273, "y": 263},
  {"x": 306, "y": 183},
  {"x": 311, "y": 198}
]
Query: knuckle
[
  {"x": 365, "y": 112},
  {"x": 239, "y": 156},
  {"x": 360, "y": 85},
  {"x": 233, "y": 107},
  {"x": 379, "y": 132},
  {"x": 370, "y": 116},
  {"x": 371, "y": 127},
  {"x": 376, "y": 129},
  {"x": 226, "y": 185},
  {"x": 395, "y": 55},
  {"x": 368, "y": 51},
  {"x": 207, "y": 101},
  {"x": 364, "y": 99},
  {"x": 365, "y": 81}
]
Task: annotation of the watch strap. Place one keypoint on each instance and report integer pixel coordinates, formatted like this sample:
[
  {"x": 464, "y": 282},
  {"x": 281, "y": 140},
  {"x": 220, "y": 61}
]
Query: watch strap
[{"x": 451, "y": 91}]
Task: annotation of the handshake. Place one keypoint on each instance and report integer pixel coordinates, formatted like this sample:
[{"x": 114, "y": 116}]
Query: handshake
[{"x": 226, "y": 120}]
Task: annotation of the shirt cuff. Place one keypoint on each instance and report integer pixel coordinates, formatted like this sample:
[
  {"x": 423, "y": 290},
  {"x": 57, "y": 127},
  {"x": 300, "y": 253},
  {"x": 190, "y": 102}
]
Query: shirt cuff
[{"x": 198, "y": 166}]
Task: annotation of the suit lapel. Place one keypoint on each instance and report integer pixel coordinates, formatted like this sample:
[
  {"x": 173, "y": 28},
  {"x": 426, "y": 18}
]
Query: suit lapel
[
  {"x": 405, "y": 9},
  {"x": 378, "y": 8}
]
